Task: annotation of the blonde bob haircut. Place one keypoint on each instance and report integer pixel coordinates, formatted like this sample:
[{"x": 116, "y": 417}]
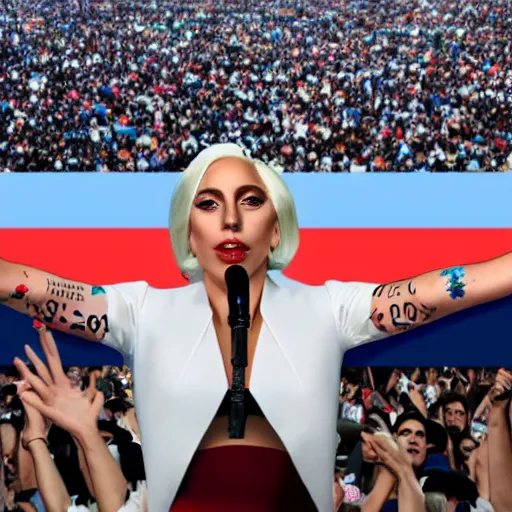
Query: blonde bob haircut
[{"x": 187, "y": 188}]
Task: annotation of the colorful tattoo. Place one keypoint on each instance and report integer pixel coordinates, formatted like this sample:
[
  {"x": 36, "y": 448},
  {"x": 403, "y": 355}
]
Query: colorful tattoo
[
  {"x": 455, "y": 284},
  {"x": 20, "y": 292},
  {"x": 98, "y": 290}
]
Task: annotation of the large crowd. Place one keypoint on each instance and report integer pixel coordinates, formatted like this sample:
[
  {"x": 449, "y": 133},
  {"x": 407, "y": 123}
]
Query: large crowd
[
  {"x": 446, "y": 442},
  {"x": 90, "y": 461},
  {"x": 410, "y": 439},
  {"x": 401, "y": 85}
]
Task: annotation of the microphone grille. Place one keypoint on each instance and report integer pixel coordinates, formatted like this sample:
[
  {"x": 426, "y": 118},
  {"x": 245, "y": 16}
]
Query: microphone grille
[{"x": 237, "y": 283}]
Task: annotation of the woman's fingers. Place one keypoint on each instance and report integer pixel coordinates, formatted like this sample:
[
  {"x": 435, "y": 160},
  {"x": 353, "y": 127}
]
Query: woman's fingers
[
  {"x": 382, "y": 444},
  {"x": 91, "y": 389},
  {"x": 52, "y": 356},
  {"x": 504, "y": 379},
  {"x": 33, "y": 380},
  {"x": 40, "y": 367},
  {"x": 35, "y": 401},
  {"x": 22, "y": 386},
  {"x": 97, "y": 404}
]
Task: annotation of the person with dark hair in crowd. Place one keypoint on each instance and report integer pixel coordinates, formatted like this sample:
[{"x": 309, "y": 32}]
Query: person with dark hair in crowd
[
  {"x": 456, "y": 415},
  {"x": 123, "y": 414},
  {"x": 416, "y": 436},
  {"x": 367, "y": 86},
  {"x": 461, "y": 473}
]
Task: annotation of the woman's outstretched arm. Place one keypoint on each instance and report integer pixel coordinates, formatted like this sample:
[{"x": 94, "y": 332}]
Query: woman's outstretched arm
[
  {"x": 69, "y": 306},
  {"x": 403, "y": 305}
]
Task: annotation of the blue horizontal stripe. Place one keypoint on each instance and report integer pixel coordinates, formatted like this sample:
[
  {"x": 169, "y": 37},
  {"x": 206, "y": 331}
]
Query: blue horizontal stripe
[
  {"x": 453, "y": 341},
  {"x": 323, "y": 200}
]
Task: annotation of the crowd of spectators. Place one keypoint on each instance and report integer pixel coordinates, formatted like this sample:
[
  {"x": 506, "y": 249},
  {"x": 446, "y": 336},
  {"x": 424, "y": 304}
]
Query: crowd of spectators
[
  {"x": 83, "y": 454},
  {"x": 410, "y": 439},
  {"x": 425, "y": 440},
  {"x": 126, "y": 85}
]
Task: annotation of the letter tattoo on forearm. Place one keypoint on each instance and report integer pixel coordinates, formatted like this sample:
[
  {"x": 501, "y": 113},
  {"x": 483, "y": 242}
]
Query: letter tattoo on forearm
[
  {"x": 406, "y": 316},
  {"x": 392, "y": 290},
  {"x": 404, "y": 312},
  {"x": 65, "y": 290},
  {"x": 54, "y": 314}
]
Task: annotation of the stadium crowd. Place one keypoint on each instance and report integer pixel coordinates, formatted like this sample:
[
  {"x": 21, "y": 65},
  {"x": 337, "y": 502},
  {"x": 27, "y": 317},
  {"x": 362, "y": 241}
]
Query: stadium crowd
[
  {"x": 402, "y": 85},
  {"x": 84, "y": 454},
  {"x": 410, "y": 439},
  {"x": 446, "y": 442}
]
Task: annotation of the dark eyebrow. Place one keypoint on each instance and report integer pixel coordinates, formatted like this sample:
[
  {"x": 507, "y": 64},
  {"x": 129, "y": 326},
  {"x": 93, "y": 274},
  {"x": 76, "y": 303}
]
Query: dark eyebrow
[
  {"x": 212, "y": 191},
  {"x": 240, "y": 192},
  {"x": 247, "y": 188}
]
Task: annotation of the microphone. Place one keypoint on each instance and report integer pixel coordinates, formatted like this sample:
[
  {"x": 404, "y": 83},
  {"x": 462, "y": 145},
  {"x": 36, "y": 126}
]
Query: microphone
[{"x": 237, "y": 284}]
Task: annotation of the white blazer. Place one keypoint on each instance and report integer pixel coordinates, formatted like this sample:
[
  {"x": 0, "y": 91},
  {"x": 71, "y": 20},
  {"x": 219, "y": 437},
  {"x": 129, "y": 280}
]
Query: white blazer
[{"x": 168, "y": 339}]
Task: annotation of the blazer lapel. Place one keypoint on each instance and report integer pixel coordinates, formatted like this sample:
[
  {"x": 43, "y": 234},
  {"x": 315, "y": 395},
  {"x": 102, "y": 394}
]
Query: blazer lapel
[
  {"x": 185, "y": 382},
  {"x": 191, "y": 384},
  {"x": 281, "y": 382}
]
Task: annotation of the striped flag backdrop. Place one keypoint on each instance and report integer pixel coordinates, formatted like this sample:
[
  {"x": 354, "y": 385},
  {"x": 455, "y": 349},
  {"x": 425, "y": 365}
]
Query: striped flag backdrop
[{"x": 107, "y": 228}]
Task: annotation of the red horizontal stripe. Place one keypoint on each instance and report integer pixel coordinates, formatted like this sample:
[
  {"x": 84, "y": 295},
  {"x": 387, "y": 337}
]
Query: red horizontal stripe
[{"x": 376, "y": 255}]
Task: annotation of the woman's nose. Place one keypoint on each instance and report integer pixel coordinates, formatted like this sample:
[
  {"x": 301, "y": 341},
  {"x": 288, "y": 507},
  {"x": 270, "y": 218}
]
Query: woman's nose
[{"x": 232, "y": 219}]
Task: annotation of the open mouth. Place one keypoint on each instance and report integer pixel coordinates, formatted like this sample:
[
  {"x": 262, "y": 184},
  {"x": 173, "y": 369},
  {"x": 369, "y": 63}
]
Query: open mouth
[
  {"x": 413, "y": 451},
  {"x": 232, "y": 251},
  {"x": 231, "y": 245}
]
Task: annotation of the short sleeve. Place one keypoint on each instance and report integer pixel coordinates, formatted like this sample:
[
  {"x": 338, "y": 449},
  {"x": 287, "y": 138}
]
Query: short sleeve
[
  {"x": 351, "y": 304},
  {"x": 124, "y": 304}
]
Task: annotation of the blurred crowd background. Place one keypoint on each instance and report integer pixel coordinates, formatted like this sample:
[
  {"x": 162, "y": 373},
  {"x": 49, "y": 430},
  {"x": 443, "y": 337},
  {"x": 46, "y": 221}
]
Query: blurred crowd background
[
  {"x": 323, "y": 85},
  {"x": 410, "y": 440},
  {"x": 70, "y": 488},
  {"x": 452, "y": 443}
]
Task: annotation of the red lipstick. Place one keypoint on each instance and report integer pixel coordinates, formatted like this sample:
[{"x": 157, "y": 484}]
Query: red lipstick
[{"x": 232, "y": 251}]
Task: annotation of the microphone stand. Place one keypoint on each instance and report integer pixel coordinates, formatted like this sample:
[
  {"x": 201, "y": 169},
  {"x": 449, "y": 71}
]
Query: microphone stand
[{"x": 239, "y": 333}]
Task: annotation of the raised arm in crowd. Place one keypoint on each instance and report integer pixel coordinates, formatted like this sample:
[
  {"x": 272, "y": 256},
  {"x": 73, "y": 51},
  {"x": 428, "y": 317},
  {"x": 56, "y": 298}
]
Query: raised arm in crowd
[{"x": 50, "y": 395}]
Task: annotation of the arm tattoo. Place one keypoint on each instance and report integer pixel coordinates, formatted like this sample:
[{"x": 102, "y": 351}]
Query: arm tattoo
[
  {"x": 98, "y": 290},
  {"x": 399, "y": 315},
  {"x": 455, "y": 284},
  {"x": 406, "y": 316},
  {"x": 65, "y": 290},
  {"x": 19, "y": 293},
  {"x": 377, "y": 318},
  {"x": 53, "y": 314}
]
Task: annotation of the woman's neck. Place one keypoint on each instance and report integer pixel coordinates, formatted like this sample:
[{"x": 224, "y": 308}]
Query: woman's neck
[{"x": 217, "y": 295}]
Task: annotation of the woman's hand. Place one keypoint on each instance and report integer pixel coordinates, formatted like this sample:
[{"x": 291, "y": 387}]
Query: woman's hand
[
  {"x": 388, "y": 452},
  {"x": 338, "y": 493},
  {"x": 419, "y": 402},
  {"x": 499, "y": 392},
  {"x": 52, "y": 393},
  {"x": 36, "y": 427}
]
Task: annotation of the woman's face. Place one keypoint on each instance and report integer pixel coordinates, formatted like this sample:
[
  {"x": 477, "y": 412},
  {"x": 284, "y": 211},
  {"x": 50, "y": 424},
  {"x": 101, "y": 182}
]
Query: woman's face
[{"x": 233, "y": 220}]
